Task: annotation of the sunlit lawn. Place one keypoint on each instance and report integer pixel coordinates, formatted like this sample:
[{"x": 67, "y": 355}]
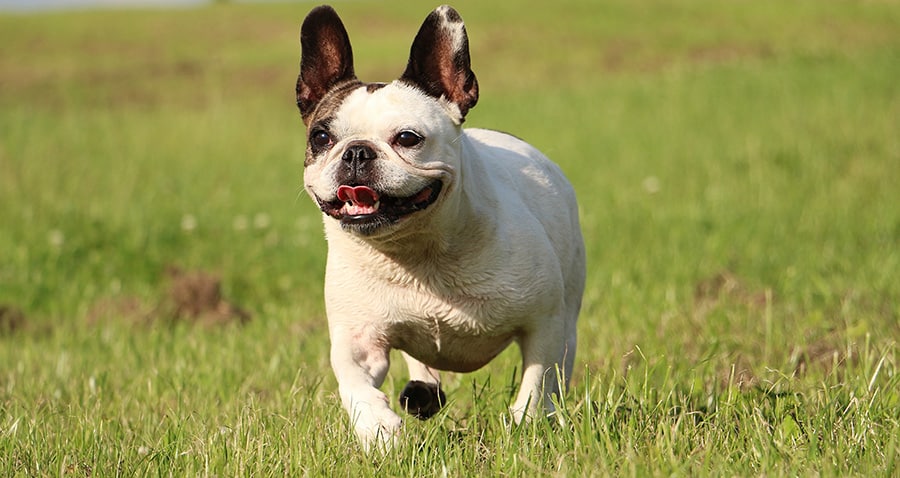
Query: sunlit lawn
[{"x": 737, "y": 168}]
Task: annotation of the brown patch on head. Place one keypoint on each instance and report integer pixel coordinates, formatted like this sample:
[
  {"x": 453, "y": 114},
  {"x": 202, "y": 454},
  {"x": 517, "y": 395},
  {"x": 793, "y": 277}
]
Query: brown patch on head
[
  {"x": 327, "y": 107},
  {"x": 324, "y": 112},
  {"x": 330, "y": 102},
  {"x": 11, "y": 319},
  {"x": 373, "y": 87},
  {"x": 197, "y": 296}
]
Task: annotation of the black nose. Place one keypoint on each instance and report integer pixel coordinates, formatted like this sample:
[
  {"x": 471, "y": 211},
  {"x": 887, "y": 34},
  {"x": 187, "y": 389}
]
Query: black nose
[
  {"x": 358, "y": 153},
  {"x": 357, "y": 163}
]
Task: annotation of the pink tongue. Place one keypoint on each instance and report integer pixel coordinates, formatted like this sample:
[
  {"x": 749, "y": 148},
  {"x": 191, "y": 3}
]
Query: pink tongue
[{"x": 358, "y": 195}]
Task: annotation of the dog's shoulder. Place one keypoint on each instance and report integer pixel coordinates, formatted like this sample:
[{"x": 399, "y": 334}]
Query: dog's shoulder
[
  {"x": 520, "y": 160},
  {"x": 491, "y": 138}
]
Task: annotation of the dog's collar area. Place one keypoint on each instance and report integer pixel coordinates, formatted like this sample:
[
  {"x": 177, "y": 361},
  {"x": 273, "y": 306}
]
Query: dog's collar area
[{"x": 365, "y": 215}]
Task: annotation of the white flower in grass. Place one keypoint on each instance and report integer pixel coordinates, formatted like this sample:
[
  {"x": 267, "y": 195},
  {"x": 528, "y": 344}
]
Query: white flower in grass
[
  {"x": 56, "y": 238},
  {"x": 261, "y": 221},
  {"x": 240, "y": 223},
  {"x": 285, "y": 283},
  {"x": 651, "y": 184},
  {"x": 188, "y": 222}
]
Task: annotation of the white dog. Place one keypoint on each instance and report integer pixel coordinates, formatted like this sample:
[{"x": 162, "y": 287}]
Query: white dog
[{"x": 445, "y": 243}]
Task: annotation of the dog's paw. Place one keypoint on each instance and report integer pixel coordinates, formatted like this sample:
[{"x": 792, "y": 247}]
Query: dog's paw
[
  {"x": 527, "y": 412},
  {"x": 422, "y": 400},
  {"x": 380, "y": 434}
]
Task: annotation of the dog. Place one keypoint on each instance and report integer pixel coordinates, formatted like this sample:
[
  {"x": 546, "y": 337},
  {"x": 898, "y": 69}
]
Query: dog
[{"x": 446, "y": 243}]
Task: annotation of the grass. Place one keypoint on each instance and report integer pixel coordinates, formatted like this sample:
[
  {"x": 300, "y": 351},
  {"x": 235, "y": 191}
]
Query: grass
[{"x": 737, "y": 168}]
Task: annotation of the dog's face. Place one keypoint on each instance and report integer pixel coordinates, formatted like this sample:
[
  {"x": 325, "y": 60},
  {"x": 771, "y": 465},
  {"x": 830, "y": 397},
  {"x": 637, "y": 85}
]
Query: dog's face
[{"x": 380, "y": 156}]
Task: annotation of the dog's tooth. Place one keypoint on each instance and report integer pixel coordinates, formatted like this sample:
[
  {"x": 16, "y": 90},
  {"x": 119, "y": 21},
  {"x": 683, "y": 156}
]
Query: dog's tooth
[{"x": 376, "y": 205}]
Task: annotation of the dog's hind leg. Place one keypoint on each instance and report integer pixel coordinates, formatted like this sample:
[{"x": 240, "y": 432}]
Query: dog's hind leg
[
  {"x": 544, "y": 363},
  {"x": 422, "y": 397}
]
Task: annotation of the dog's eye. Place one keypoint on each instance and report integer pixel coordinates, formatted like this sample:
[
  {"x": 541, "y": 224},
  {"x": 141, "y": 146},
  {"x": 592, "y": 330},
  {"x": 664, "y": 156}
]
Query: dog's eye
[
  {"x": 320, "y": 139},
  {"x": 407, "y": 139}
]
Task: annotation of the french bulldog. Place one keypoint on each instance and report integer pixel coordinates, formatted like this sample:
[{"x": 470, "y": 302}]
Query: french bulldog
[{"x": 446, "y": 243}]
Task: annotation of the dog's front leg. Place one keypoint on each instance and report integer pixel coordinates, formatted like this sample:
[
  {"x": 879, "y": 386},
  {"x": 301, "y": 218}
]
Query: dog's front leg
[{"x": 360, "y": 364}]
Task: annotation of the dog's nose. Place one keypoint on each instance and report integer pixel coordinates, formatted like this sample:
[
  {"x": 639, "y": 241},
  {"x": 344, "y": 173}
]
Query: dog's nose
[{"x": 358, "y": 153}]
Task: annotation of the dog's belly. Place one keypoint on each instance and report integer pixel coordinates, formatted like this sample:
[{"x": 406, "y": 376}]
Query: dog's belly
[{"x": 443, "y": 346}]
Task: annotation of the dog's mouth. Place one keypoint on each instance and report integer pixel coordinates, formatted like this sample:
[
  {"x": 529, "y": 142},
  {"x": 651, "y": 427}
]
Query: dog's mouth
[{"x": 363, "y": 208}]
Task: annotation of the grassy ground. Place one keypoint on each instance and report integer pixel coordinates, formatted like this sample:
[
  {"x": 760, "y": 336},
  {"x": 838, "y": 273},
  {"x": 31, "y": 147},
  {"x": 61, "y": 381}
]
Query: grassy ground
[{"x": 737, "y": 166}]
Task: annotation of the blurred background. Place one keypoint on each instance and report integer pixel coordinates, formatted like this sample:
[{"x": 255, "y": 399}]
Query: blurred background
[
  {"x": 737, "y": 166},
  {"x": 33, "y": 5}
]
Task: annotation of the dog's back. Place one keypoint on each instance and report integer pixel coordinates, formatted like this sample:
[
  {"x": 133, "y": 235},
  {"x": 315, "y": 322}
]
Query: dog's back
[
  {"x": 532, "y": 178},
  {"x": 535, "y": 191}
]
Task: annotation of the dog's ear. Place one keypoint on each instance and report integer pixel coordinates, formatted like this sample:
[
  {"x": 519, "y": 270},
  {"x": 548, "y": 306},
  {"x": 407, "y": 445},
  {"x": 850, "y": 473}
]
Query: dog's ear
[
  {"x": 326, "y": 58},
  {"x": 439, "y": 60}
]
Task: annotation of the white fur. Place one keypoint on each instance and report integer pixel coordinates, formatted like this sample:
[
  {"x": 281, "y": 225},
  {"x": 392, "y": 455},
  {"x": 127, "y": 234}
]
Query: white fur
[
  {"x": 497, "y": 259},
  {"x": 378, "y": 117}
]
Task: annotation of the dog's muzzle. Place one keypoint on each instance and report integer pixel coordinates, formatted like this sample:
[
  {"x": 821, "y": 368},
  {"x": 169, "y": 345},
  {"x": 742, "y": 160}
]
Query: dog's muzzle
[{"x": 363, "y": 209}]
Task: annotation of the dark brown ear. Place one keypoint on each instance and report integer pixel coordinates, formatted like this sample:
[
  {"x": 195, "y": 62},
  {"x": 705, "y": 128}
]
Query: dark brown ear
[
  {"x": 439, "y": 60},
  {"x": 326, "y": 58}
]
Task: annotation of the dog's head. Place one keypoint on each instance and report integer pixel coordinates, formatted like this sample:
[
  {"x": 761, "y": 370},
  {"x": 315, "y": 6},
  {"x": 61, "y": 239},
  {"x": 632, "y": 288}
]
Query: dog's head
[{"x": 380, "y": 155}]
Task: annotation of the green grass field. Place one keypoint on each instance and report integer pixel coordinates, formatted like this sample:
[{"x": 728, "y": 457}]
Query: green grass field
[{"x": 738, "y": 169}]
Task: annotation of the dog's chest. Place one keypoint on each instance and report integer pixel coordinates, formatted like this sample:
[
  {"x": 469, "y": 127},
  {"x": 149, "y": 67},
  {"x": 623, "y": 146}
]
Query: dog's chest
[{"x": 459, "y": 330}]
